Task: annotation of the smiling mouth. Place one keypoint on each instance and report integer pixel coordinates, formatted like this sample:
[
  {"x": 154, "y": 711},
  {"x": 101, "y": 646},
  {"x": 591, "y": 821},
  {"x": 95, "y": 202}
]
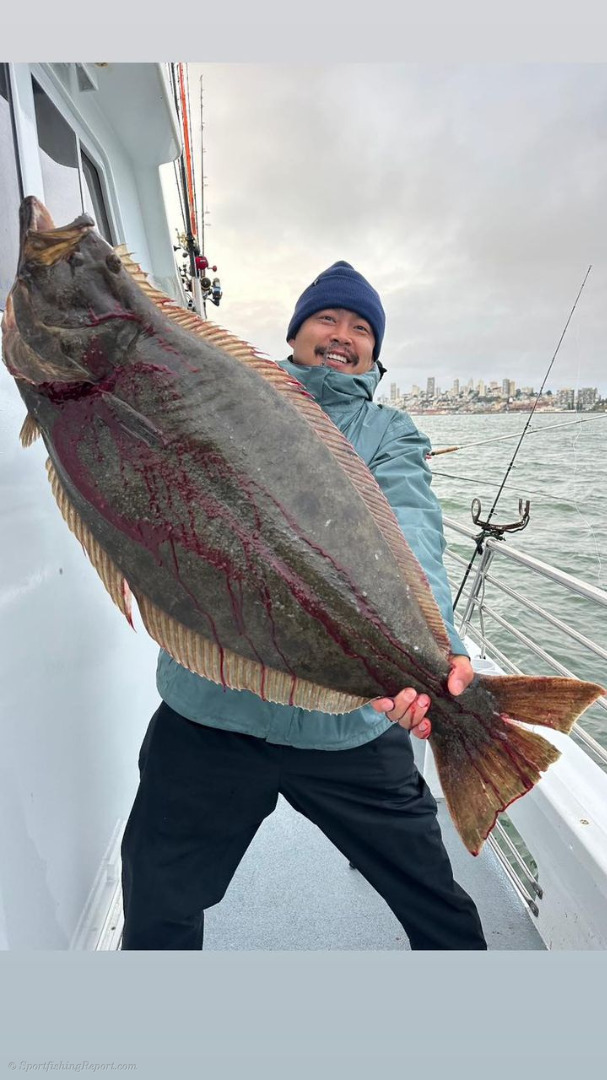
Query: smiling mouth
[{"x": 338, "y": 358}]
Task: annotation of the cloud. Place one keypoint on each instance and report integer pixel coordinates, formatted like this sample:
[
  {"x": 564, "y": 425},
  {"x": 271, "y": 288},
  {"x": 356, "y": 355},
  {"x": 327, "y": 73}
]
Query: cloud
[{"x": 470, "y": 195}]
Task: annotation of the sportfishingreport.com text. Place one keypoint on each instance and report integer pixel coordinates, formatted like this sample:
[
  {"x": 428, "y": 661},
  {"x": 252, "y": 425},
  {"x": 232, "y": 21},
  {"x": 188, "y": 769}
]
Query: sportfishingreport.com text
[{"x": 70, "y": 1066}]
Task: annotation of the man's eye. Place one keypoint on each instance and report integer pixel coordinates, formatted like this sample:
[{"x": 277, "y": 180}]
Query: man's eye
[
  {"x": 329, "y": 318},
  {"x": 365, "y": 329}
]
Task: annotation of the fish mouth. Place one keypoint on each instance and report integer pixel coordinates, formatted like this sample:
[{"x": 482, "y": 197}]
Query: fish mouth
[{"x": 41, "y": 243}]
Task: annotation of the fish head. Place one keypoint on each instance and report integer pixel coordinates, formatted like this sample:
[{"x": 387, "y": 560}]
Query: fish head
[{"x": 67, "y": 317}]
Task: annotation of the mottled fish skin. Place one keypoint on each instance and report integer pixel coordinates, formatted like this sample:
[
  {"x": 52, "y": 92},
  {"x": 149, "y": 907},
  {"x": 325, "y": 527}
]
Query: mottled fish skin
[
  {"x": 162, "y": 450},
  {"x": 227, "y": 501}
]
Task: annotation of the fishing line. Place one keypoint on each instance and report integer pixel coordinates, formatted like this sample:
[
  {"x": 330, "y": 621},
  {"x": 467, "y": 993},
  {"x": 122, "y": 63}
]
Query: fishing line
[
  {"x": 518, "y": 445},
  {"x": 511, "y": 487},
  {"x": 590, "y": 531},
  {"x": 514, "y": 435}
]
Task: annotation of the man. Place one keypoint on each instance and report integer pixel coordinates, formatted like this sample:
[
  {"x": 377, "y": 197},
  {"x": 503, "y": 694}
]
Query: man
[{"x": 213, "y": 762}]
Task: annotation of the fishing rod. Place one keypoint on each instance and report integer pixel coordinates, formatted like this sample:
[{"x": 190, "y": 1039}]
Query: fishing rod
[
  {"x": 184, "y": 179},
  {"x": 202, "y": 209},
  {"x": 484, "y": 532},
  {"x": 187, "y": 149},
  {"x": 191, "y": 167},
  {"x": 514, "y": 435}
]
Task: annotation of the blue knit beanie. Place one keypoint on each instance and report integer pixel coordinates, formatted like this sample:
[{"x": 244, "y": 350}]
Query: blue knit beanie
[{"x": 341, "y": 286}]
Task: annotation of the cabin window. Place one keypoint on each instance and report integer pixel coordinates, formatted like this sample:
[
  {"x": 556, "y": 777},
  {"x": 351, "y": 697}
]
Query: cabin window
[
  {"x": 10, "y": 194},
  {"x": 58, "y": 159},
  {"x": 72, "y": 183},
  {"x": 93, "y": 197}
]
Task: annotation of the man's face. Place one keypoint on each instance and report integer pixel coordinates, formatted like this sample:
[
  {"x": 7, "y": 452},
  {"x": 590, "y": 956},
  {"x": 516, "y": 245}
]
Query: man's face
[{"x": 335, "y": 338}]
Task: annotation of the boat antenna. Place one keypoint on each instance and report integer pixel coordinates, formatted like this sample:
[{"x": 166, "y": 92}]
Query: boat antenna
[{"x": 485, "y": 530}]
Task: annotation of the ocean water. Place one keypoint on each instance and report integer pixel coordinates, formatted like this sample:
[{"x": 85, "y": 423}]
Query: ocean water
[{"x": 563, "y": 472}]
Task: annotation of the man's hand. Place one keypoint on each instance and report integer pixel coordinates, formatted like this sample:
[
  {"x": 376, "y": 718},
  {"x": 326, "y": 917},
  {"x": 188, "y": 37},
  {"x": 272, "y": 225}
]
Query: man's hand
[{"x": 408, "y": 708}]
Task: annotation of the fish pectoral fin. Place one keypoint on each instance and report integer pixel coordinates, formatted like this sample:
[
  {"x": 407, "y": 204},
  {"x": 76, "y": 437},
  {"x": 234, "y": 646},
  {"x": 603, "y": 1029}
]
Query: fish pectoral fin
[
  {"x": 204, "y": 657},
  {"x": 135, "y": 423},
  {"x": 30, "y": 431},
  {"x": 111, "y": 576}
]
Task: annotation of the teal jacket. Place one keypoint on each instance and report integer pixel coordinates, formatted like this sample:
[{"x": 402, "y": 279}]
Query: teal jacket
[{"x": 395, "y": 451}]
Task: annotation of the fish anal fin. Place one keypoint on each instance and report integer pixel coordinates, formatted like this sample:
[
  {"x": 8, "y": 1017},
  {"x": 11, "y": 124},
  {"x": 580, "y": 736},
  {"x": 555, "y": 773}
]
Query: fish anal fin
[
  {"x": 30, "y": 431},
  {"x": 111, "y": 576},
  {"x": 204, "y": 657}
]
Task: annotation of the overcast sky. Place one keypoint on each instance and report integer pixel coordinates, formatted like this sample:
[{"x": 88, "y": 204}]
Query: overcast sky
[{"x": 472, "y": 197}]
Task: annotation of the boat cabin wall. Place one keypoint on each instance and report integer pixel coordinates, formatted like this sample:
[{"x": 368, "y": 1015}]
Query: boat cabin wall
[
  {"x": 77, "y": 684},
  {"x": 124, "y": 127}
]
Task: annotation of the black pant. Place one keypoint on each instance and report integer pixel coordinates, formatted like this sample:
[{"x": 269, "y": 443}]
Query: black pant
[{"x": 204, "y": 793}]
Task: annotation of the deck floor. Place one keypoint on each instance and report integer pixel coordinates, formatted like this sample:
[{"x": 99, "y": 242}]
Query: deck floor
[{"x": 294, "y": 890}]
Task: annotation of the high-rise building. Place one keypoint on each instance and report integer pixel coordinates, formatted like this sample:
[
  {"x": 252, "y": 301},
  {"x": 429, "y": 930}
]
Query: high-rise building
[
  {"x": 394, "y": 392},
  {"x": 480, "y": 387},
  {"x": 431, "y": 387},
  {"x": 565, "y": 398},
  {"x": 505, "y": 387},
  {"x": 586, "y": 396},
  {"x": 455, "y": 389}
]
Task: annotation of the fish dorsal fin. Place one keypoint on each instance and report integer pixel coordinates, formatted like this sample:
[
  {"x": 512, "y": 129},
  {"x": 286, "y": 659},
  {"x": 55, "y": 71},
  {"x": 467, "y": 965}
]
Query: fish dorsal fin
[
  {"x": 192, "y": 650},
  {"x": 111, "y": 576},
  {"x": 355, "y": 468}
]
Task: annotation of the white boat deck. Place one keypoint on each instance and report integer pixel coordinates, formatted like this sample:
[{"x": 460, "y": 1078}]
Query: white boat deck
[{"x": 294, "y": 890}]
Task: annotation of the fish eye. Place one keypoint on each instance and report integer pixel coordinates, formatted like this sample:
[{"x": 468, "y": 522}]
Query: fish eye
[{"x": 113, "y": 263}]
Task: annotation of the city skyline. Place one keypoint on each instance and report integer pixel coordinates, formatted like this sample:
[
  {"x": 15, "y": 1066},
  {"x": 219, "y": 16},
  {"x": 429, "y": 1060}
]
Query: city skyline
[
  {"x": 491, "y": 396},
  {"x": 433, "y": 388}
]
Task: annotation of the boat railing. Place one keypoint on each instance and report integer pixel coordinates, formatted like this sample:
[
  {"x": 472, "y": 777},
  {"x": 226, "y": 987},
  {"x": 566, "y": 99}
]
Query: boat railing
[
  {"x": 477, "y": 613},
  {"x": 552, "y": 843}
]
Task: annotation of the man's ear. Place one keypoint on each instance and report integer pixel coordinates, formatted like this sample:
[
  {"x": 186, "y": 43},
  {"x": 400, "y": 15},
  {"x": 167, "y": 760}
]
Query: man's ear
[{"x": 291, "y": 341}]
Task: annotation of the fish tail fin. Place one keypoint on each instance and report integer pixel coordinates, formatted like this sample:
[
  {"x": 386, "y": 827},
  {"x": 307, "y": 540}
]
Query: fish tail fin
[
  {"x": 557, "y": 705},
  {"x": 485, "y": 766}
]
